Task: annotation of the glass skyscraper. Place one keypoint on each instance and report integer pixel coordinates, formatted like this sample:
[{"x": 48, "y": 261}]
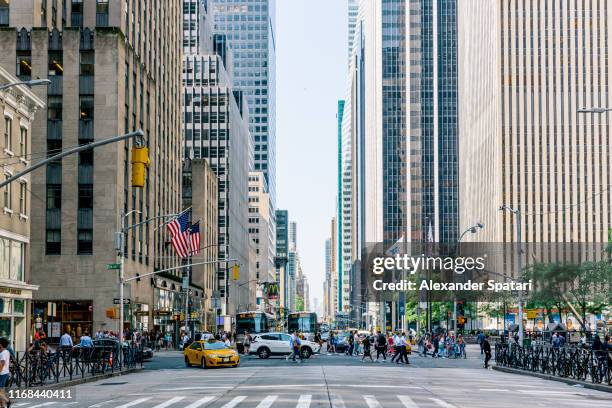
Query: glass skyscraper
[{"x": 249, "y": 26}]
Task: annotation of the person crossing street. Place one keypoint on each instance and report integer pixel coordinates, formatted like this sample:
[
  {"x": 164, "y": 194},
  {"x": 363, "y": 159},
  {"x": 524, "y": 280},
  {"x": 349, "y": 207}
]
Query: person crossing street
[{"x": 381, "y": 346}]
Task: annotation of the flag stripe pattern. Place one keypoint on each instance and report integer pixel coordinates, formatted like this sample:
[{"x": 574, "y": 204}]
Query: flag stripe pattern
[
  {"x": 195, "y": 238},
  {"x": 180, "y": 234}
]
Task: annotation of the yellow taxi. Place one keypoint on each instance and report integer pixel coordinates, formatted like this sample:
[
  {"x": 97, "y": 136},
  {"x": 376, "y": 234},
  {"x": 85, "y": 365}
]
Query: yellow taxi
[{"x": 210, "y": 353}]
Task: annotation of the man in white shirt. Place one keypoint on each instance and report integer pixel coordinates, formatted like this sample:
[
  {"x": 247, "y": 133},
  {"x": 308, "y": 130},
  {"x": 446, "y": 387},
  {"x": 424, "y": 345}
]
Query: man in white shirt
[
  {"x": 66, "y": 341},
  {"x": 5, "y": 366}
]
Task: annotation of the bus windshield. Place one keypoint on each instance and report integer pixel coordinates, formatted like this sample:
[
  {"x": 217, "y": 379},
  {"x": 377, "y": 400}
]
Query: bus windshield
[
  {"x": 251, "y": 322},
  {"x": 302, "y": 322}
]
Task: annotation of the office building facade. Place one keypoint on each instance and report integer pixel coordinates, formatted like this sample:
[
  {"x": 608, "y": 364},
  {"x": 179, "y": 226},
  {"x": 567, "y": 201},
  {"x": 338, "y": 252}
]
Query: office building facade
[
  {"x": 111, "y": 70},
  {"x": 525, "y": 69},
  {"x": 18, "y": 105},
  {"x": 249, "y": 27}
]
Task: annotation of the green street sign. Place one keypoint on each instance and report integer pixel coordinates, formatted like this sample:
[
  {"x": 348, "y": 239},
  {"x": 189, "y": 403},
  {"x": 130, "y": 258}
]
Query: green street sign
[{"x": 113, "y": 266}]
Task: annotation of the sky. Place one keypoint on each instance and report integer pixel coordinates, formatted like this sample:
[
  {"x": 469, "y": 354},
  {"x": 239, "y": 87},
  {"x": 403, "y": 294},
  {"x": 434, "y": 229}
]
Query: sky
[{"x": 311, "y": 69}]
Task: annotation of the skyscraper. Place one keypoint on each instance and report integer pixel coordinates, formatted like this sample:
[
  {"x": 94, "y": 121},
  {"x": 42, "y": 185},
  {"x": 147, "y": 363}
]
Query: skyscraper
[
  {"x": 113, "y": 69},
  {"x": 353, "y": 10},
  {"x": 525, "y": 69},
  {"x": 216, "y": 129},
  {"x": 249, "y": 26}
]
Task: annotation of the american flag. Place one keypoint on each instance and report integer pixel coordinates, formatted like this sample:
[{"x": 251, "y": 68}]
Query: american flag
[
  {"x": 180, "y": 234},
  {"x": 194, "y": 237}
]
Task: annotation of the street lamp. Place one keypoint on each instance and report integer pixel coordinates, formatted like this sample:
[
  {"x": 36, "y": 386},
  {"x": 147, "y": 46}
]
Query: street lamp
[
  {"x": 594, "y": 110},
  {"x": 517, "y": 219},
  {"x": 30, "y": 83},
  {"x": 473, "y": 230}
]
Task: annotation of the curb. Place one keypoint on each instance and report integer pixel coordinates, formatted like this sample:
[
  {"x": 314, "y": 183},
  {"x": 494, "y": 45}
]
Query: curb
[
  {"x": 598, "y": 387},
  {"x": 72, "y": 383}
]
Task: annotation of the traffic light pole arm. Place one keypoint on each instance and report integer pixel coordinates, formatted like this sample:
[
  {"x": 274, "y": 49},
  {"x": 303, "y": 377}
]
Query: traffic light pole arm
[
  {"x": 177, "y": 267},
  {"x": 139, "y": 133}
]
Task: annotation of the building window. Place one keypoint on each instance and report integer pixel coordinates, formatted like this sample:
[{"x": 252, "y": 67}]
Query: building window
[
  {"x": 4, "y": 13},
  {"x": 87, "y": 107},
  {"x": 87, "y": 63},
  {"x": 8, "y": 131},
  {"x": 102, "y": 13},
  {"x": 24, "y": 65},
  {"x": 85, "y": 196},
  {"x": 85, "y": 242},
  {"x": 76, "y": 13},
  {"x": 54, "y": 108},
  {"x": 23, "y": 199},
  {"x": 23, "y": 143},
  {"x": 53, "y": 243},
  {"x": 7, "y": 193},
  {"x": 56, "y": 63}
]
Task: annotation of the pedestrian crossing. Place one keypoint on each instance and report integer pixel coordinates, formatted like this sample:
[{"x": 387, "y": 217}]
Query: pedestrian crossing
[{"x": 332, "y": 400}]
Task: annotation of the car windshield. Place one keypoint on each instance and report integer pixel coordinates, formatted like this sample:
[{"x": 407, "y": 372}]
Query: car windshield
[{"x": 215, "y": 346}]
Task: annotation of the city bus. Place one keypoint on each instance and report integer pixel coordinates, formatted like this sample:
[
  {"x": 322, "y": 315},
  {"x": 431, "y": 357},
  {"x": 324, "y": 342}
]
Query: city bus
[
  {"x": 253, "y": 322},
  {"x": 305, "y": 322}
]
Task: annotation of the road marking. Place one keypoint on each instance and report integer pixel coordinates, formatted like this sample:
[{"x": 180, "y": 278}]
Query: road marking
[
  {"x": 99, "y": 404},
  {"x": 268, "y": 401},
  {"x": 169, "y": 402},
  {"x": 372, "y": 401},
  {"x": 46, "y": 404},
  {"x": 336, "y": 401},
  {"x": 234, "y": 402},
  {"x": 200, "y": 402},
  {"x": 407, "y": 401},
  {"x": 441, "y": 403},
  {"x": 194, "y": 388},
  {"x": 135, "y": 402},
  {"x": 304, "y": 401},
  {"x": 494, "y": 389}
]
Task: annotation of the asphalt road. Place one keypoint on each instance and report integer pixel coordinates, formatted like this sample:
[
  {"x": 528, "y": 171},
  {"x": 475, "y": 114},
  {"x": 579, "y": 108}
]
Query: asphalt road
[{"x": 326, "y": 381}]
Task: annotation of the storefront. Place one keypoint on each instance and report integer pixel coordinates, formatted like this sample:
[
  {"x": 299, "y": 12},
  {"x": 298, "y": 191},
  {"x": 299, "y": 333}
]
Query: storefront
[
  {"x": 59, "y": 317},
  {"x": 14, "y": 298}
]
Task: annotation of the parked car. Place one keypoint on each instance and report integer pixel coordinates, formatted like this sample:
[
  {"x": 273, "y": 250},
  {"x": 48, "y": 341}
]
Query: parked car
[{"x": 279, "y": 344}]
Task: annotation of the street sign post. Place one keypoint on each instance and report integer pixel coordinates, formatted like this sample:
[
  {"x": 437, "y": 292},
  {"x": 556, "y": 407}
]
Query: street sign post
[
  {"x": 125, "y": 301},
  {"x": 113, "y": 266}
]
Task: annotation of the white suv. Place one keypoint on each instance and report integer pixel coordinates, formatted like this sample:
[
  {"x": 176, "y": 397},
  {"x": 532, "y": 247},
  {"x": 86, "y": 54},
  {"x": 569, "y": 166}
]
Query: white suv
[{"x": 279, "y": 344}]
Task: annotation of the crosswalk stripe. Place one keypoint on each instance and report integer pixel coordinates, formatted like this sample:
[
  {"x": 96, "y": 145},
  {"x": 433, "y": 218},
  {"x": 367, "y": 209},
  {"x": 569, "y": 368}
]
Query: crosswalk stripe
[
  {"x": 200, "y": 402},
  {"x": 135, "y": 402},
  {"x": 304, "y": 401},
  {"x": 234, "y": 402},
  {"x": 46, "y": 404},
  {"x": 169, "y": 402},
  {"x": 268, "y": 401},
  {"x": 441, "y": 403},
  {"x": 336, "y": 401},
  {"x": 407, "y": 401},
  {"x": 372, "y": 401}
]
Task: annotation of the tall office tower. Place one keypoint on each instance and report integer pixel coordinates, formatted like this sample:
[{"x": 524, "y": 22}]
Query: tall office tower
[
  {"x": 249, "y": 26},
  {"x": 353, "y": 9},
  {"x": 334, "y": 274},
  {"x": 112, "y": 70},
  {"x": 216, "y": 129},
  {"x": 262, "y": 230},
  {"x": 345, "y": 200},
  {"x": 525, "y": 70},
  {"x": 282, "y": 258},
  {"x": 327, "y": 304},
  {"x": 431, "y": 120}
]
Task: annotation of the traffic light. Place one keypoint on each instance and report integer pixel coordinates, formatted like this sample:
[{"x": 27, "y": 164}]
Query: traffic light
[
  {"x": 235, "y": 272},
  {"x": 140, "y": 160}
]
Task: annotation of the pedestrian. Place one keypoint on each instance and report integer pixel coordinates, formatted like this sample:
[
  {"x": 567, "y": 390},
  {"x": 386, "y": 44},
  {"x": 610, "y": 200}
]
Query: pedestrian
[
  {"x": 461, "y": 346},
  {"x": 486, "y": 346},
  {"x": 381, "y": 346},
  {"x": 480, "y": 339},
  {"x": 351, "y": 343},
  {"x": 295, "y": 348},
  {"x": 367, "y": 349},
  {"x": 436, "y": 346},
  {"x": 331, "y": 345},
  {"x": 247, "y": 343},
  {"x": 402, "y": 347},
  {"x": 66, "y": 342},
  {"x": 5, "y": 365}
]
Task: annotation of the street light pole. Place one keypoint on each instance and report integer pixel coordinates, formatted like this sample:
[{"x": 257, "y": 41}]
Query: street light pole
[
  {"x": 473, "y": 229},
  {"x": 30, "y": 83},
  {"x": 517, "y": 219}
]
